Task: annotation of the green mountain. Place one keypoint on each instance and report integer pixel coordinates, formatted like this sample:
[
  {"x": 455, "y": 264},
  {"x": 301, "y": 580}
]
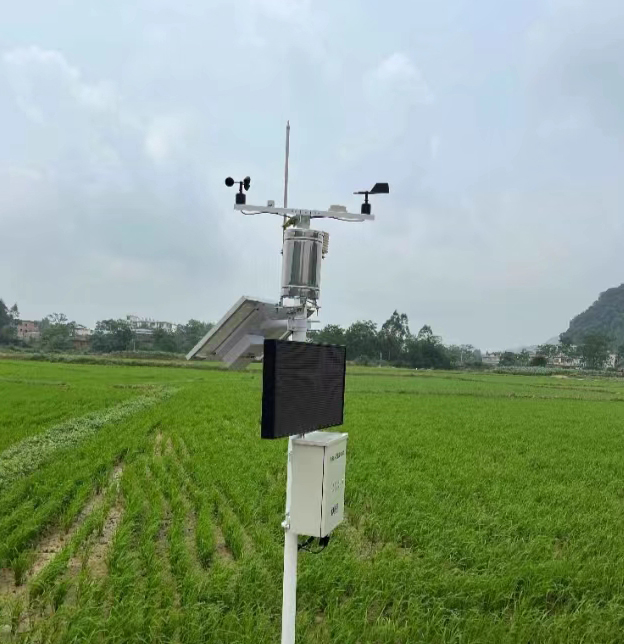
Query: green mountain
[{"x": 605, "y": 316}]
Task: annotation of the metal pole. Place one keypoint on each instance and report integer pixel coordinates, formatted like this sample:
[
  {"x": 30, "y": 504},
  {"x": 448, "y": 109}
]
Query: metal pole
[
  {"x": 286, "y": 165},
  {"x": 289, "y": 584}
]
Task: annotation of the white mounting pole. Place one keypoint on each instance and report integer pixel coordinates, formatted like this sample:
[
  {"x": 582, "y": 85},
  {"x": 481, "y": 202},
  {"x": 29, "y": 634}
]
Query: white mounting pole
[
  {"x": 289, "y": 584},
  {"x": 298, "y": 325}
]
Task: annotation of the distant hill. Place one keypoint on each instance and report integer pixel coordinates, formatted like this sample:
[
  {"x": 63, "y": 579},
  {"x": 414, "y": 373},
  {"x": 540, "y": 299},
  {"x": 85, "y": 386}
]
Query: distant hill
[{"x": 605, "y": 315}]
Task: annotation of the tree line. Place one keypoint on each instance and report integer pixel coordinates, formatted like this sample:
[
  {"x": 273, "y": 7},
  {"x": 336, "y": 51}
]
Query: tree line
[
  {"x": 58, "y": 333},
  {"x": 118, "y": 335},
  {"x": 366, "y": 344},
  {"x": 394, "y": 344}
]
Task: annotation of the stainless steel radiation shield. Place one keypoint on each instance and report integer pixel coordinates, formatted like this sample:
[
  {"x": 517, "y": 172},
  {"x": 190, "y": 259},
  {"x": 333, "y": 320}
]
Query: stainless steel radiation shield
[{"x": 301, "y": 263}]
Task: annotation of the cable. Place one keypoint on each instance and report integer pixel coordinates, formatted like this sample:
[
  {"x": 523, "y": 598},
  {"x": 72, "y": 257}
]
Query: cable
[
  {"x": 305, "y": 544},
  {"x": 323, "y": 542}
]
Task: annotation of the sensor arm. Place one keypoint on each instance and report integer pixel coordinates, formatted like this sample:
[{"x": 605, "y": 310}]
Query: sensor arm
[{"x": 301, "y": 212}]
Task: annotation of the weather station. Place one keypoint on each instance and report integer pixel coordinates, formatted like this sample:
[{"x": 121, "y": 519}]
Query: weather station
[{"x": 303, "y": 382}]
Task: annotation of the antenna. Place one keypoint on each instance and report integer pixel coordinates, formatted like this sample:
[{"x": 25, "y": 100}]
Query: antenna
[{"x": 286, "y": 164}]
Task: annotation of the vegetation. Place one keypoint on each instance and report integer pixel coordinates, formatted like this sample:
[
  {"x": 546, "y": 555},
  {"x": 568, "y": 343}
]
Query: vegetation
[
  {"x": 8, "y": 323},
  {"x": 112, "y": 335},
  {"x": 591, "y": 353},
  {"x": 605, "y": 317},
  {"x": 511, "y": 359},
  {"x": 594, "y": 350},
  {"x": 394, "y": 344},
  {"x": 117, "y": 335},
  {"x": 480, "y": 507},
  {"x": 59, "y": 334}
]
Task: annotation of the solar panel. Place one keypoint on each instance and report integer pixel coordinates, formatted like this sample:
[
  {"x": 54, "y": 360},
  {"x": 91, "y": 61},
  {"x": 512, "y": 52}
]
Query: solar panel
[{"x": 237, "y": 339}]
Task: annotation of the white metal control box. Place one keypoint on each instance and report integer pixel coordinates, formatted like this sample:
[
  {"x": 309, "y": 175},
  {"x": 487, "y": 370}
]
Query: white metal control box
[{"x": 318, "y": 483}]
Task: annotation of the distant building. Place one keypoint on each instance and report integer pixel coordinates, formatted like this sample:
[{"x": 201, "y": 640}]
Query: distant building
[
  {"x": 491, "y": 359},
  {"x": 563, "y": 361},
  {"x": 81, "y": 331},
  {"x": 28, "y": 330},
  {"x": 81, "y": 337},
  {"x": 147, "y": 326}
]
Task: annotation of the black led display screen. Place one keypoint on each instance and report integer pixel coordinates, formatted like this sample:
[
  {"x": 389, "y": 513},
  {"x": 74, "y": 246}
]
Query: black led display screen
[{"x": 303, "y": 387}]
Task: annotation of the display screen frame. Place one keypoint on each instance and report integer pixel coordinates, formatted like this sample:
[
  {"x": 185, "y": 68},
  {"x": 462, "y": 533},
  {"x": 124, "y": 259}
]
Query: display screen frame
[{"x": 303, "y": 387}]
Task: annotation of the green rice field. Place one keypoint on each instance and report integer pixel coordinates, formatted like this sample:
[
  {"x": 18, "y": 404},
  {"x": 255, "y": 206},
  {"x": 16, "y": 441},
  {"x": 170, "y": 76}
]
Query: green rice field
[{"x": 138, "y": 504}]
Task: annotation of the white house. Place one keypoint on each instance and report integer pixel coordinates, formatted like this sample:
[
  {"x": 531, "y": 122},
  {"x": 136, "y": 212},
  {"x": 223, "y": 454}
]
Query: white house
[{"x": 147, "y": 326}]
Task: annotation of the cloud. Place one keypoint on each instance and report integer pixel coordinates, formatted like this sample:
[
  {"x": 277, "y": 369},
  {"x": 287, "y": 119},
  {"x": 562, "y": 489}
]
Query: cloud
[
  {"x": 389, "y": 113},
  {"x": 42, "y": 77},
  {"x": 164, "y": 135},
  {"x": 576, "y": 64},
  {"x": 93, "y": 197},
  {"x": 499, "y": 132},
  {"x": 434, "y": 143},
  {"x": 396, "y": 78}
]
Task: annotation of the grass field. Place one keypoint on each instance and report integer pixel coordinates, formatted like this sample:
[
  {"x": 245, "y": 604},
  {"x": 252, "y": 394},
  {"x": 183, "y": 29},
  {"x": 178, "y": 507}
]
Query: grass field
[{"x": 138, "y": 504}]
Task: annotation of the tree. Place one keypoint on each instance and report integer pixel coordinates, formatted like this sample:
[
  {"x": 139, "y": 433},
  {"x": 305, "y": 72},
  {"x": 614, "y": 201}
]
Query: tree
[
  {"x": 594, "y": 350},
  {"x": 425, "y": 334},
  {"x": 331, "y": 334},
  {"x": 112, "y": 335},
  {"x": 539, "y": 361},
  {"x": 619, "y": 357},
  {"x": 426, "y": 351},
  {"x": 523, "y": 359},
  {"x": 463, "y": 355},
  {"x": 57, "y": 332},
  {"x": 508, "y": 359},
  {"x": 164, "y": 340},
  {"x": 189, "y": 334},
  {"x": 393, "y": 336},
  {"x": 361, "y": 340},
  {"x": 568, "y": 349},
  {"x": 548, "y": 350},
  {"x": 8, "y": 323}
]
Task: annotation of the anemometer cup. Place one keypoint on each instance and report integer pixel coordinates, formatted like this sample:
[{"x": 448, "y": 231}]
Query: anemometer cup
[{"x": 245, "y": 184}]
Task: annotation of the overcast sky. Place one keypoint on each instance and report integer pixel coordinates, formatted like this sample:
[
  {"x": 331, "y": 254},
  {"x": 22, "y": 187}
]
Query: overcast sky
[{"x": 499, "y": 126}]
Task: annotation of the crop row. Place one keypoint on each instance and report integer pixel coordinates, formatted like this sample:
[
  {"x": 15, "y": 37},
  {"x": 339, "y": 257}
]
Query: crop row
[{"x": 470, "y": 517}]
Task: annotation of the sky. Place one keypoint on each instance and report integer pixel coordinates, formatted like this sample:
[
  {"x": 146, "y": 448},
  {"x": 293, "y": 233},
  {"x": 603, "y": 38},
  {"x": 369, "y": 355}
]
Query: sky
[{"x": 499, "y": 126}]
